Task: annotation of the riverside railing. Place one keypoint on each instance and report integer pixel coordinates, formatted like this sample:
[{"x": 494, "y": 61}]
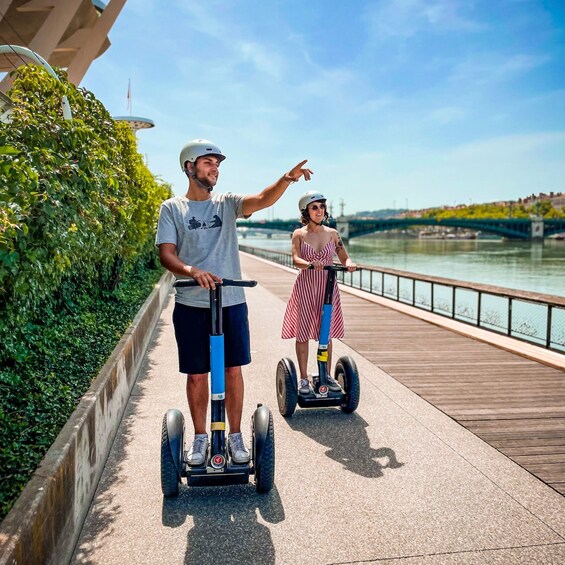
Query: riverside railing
[{"x": 535, "y": 318}]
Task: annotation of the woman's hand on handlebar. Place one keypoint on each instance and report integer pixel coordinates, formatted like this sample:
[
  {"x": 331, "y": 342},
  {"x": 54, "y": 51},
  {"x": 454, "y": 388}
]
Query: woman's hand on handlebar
[
  {"x": 317, "y": 265},
  {"x": 351, "y": 266},
  {"x": 204, "y": 278}
]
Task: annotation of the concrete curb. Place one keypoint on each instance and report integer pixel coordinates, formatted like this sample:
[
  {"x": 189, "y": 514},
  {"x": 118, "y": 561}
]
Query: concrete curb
[{"x": 45, "y": 522}]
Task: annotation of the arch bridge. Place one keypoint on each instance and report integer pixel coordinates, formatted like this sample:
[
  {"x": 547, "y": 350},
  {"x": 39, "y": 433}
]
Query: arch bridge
[{"x": 512, "y": 228}]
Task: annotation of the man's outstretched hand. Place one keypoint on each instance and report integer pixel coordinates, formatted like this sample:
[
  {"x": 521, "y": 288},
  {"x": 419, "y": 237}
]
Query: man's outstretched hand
[{"x": 295, "y": 173}]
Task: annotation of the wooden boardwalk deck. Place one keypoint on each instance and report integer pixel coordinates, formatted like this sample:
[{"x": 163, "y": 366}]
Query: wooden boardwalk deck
[{"x": 514, "y": 404}]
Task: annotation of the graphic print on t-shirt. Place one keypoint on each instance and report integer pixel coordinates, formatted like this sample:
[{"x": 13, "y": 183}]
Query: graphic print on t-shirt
[{"x": 194, "y": 224}]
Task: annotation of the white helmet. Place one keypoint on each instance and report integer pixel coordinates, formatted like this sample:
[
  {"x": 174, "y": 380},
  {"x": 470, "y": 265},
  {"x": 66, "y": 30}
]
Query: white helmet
[
  {"x": 308, "y": 197},
  {"x": 198, "y": 148}
]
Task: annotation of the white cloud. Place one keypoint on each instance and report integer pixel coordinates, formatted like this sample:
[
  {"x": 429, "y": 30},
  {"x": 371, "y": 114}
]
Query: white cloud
[
  {"x": 447, "y": 115},
  {"x": 491, "y": 67},
  {"x": 509, "y": 146},
  {"x": 263, "y": 59},
  {"x": 202, "y": 18},
  {"x": 406, "y": 18}
]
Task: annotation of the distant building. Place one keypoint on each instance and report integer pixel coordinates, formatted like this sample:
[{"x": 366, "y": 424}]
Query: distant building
[{"x": 557, "y": 199}]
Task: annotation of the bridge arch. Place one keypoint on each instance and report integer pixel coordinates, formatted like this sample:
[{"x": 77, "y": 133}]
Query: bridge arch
[{"x": 514, "y": 228}]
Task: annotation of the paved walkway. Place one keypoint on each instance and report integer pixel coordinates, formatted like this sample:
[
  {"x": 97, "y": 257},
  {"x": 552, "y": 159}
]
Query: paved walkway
[
  {"x": 514, "y": 403},
  {"x": 396, "y": 482}
]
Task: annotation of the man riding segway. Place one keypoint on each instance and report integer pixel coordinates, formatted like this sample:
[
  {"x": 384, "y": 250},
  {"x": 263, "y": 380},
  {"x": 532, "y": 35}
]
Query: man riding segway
[{"x": 197, "y": 239}]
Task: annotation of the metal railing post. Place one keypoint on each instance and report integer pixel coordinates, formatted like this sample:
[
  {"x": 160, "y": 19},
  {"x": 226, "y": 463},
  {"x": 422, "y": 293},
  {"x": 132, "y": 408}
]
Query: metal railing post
[
  {"x": 548, "y": 327},
  {"x": 509, "y": 332}
]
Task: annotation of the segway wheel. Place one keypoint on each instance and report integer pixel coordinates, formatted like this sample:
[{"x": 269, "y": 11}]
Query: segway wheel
[
  {"x": 264, "y": 454},
  {"x": 347, "y": 376},
  {"x": 287, "y": 387},
  {"x": 170, "y": 477}
]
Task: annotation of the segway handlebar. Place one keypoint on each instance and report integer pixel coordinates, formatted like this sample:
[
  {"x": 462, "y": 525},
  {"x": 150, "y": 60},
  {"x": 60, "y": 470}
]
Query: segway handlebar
[
  {"x": 225, "y": 282},
  {"x": 331, "y": 267}
]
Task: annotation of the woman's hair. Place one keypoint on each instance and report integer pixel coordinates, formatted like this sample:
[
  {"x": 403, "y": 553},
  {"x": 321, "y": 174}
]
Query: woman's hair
[{"x": 305, "y": 217}]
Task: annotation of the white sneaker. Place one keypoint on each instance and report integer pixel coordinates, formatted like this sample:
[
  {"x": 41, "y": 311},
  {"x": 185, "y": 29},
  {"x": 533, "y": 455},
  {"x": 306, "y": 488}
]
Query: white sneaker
[
  {"x": 333, "y": 385},
  {"x": 197, "y": 453},
  {"x": 304, "y": 387},
  {"x": 238, "y": 452}
]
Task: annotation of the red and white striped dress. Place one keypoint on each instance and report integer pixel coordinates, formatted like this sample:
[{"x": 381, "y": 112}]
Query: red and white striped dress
[{"x": 304, "y": 309}]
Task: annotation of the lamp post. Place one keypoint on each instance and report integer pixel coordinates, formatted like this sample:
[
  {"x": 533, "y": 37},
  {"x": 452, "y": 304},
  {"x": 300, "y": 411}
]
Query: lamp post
[{"x": 135, "y": 122}]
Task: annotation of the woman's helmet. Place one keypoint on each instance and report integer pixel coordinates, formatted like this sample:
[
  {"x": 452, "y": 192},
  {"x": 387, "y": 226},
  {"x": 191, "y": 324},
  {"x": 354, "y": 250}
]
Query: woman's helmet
[
  {"x": 198, "y": 148},
  {"x": 308, "y": 197}
]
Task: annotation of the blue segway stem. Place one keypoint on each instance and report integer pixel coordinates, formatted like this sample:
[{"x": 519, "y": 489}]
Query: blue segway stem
[
  {"x": 217, "y": 374},
  {"x": 325, "y": 324},
  {"x": 218, "y": 388}
]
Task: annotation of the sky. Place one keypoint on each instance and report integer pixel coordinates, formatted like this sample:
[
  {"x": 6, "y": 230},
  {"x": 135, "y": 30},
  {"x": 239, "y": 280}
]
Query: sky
[{"x": 395, "y": 103}]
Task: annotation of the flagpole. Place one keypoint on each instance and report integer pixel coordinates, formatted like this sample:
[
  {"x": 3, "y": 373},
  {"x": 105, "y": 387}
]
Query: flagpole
[{"x": 129, "y": 98}]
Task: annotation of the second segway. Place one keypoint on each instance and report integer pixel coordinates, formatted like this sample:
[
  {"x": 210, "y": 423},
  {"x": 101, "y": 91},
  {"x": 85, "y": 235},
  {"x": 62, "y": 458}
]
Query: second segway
[{"x": 319, "y": 394}]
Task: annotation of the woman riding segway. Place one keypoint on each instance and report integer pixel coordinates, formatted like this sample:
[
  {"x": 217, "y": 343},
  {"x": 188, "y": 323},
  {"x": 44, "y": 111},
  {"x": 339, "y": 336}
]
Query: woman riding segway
[{"x": 313, "y": 249}]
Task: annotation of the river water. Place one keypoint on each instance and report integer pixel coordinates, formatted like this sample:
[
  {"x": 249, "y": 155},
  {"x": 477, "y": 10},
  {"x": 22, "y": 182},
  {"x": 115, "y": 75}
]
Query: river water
[{"x": 535, "y": 267}]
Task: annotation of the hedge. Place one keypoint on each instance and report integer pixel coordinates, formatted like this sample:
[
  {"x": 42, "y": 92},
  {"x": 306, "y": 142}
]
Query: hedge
[{"x": 78, "y": 210}]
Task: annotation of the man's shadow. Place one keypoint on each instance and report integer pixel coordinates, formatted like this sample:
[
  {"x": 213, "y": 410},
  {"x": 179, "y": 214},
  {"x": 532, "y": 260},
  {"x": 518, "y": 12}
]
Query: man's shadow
[
  {"x": 347, "y": 439},
  {"x": 226, "y": 529}
]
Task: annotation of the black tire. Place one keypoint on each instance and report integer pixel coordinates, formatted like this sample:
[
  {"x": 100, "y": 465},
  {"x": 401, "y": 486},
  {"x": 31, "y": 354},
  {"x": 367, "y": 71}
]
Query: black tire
[
  {"x": 265, "y": 468},
  {"x": 347, "y": 376},
  {"x": 170, "y": 477},
  {"x": 287, "y": 387}
]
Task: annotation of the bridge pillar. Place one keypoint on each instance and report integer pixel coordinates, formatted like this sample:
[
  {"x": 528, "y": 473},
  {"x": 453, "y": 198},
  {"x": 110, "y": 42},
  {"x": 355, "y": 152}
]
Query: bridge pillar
[
  {"x": 537, "y": 228},
  {"x": 343, "y": 228}
]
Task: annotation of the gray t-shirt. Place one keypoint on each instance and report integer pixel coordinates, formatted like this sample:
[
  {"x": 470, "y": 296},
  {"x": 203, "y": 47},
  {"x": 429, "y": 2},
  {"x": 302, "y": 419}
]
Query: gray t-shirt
[{"x": 205, "y": 236}]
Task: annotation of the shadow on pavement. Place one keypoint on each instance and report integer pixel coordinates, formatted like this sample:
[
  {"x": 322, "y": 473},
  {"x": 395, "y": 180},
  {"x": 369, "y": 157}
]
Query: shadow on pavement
[
  {"x": 347, "y": 439},
  {"x": 226, "y": 529}
]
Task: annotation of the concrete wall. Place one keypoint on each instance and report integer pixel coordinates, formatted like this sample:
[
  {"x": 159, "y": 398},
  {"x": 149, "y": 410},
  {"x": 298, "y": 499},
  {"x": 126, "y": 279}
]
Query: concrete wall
[{"x": 44, "y": 524}]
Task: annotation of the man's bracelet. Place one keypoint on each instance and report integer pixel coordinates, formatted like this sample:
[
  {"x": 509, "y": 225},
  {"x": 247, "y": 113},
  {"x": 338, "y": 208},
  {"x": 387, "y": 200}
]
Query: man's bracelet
[{"x": 288, "y": 178}]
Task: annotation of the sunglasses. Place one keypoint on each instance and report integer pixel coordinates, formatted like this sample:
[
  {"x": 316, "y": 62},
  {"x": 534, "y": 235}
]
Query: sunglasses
[{"x": 317, "y": 207}]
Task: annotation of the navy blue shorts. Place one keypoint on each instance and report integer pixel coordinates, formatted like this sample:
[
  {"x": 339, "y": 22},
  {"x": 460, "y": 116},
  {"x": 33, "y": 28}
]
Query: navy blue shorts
[{"x": 192, "y": 331}]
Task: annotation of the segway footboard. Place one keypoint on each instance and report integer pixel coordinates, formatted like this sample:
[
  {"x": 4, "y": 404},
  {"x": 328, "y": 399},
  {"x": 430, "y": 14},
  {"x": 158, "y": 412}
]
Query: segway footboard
[
  {"x": 230, "y": 474},
  {"x": 320, "y": 401}
]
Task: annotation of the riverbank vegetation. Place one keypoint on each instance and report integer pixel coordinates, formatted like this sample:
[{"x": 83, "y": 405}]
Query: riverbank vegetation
[
  {"x": 543, "y": 208},
  {"x": 78, "y": 210}
]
